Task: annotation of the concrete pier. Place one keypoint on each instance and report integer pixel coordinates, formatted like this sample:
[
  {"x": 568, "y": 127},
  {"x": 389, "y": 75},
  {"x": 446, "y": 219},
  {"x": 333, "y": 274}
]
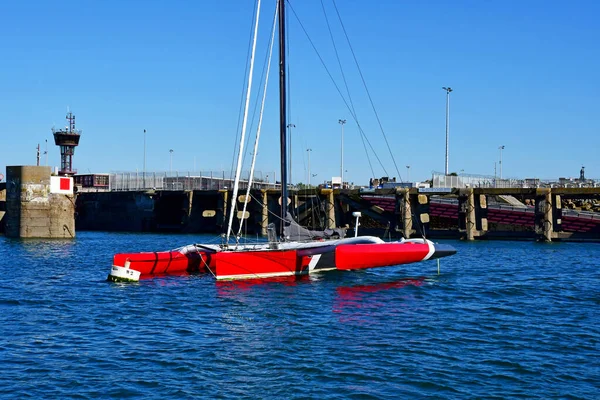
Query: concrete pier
[
  {"x": 467, "y": 214},
  {"x": 34, "y": 208}
]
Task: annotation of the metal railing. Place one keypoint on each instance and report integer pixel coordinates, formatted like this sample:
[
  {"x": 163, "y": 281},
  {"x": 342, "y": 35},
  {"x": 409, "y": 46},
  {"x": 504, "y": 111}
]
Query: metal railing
[
  {"x": 176, "y": 180},
  {"x": 440, "y": 180}
]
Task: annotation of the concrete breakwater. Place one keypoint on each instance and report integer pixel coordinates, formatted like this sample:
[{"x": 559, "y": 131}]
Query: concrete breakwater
[
  {"x": 474, "y": 213},
  {"x": 35, "y": 204}
]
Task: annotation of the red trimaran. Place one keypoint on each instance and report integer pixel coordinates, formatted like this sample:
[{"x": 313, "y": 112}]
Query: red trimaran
[{"x": 295, "y": 253}]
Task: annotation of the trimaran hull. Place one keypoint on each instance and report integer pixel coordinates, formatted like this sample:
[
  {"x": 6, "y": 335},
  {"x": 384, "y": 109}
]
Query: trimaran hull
[
  {"x": 274, "y": 259},
  {"x": 289, "y": 259}
]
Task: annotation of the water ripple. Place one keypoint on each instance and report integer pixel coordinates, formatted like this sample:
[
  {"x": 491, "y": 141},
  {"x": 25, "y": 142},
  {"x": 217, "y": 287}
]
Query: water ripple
[{"x": 502, "y": 320}]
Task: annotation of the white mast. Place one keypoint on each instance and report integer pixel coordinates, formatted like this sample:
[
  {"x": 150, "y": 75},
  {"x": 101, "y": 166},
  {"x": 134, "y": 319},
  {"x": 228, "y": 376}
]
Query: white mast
[
  {"x": 242, "y": 138},
  {"x": 262, "y": 107}
]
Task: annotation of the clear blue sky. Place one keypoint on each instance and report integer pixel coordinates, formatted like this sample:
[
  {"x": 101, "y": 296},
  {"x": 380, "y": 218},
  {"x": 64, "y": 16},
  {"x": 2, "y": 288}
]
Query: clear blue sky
[{"x": 524, "y": 74}]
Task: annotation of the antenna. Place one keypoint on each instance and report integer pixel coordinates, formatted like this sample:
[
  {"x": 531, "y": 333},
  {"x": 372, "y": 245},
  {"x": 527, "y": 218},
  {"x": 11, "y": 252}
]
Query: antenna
[
  {"x": 67, "y": 139},
  {"x": 46, "y": 154}
]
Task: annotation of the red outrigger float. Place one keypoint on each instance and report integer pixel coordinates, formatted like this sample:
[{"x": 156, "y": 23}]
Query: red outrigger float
[{"x": 298, "y": 253}]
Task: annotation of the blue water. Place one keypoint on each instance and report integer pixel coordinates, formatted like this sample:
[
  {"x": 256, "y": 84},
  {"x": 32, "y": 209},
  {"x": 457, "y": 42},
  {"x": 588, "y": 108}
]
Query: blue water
[{"x": 502, "y": 320}]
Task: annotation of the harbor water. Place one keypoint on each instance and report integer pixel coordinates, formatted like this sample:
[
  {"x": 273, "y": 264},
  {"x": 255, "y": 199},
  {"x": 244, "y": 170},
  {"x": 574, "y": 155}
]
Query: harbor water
[{"x": 500, "y": 320}]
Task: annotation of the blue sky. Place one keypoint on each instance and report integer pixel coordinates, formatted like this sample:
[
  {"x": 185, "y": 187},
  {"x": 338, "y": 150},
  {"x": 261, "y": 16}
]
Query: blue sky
[{"x": 524, "y": 74}]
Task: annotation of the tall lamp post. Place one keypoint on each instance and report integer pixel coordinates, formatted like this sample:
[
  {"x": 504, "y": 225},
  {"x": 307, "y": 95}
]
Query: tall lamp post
[
  {"x": 144, "y": 177},
  {"x": 342, "y": 122},
  {"x": 308, "y": 151},
  {"x": 408, "y": 173},
  {"x": 448, "y": 90},
  {"x": 501, "y": 148},
  {"x": 171, "y": 162}
]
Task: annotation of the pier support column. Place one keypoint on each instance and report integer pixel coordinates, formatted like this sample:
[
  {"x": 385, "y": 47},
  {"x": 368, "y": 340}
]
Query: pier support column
[
  {"x": 543, "y": 214},
  {"x": 403, "y": 200},
  {"x": 190, "y": 203},
  {"x": 557, "y": 215},
  {"x": 466, "y": 212},
  {"x": 222, "y": 220},
  {"x": 329, "y": 209},
  {"x": 420, "y": 207},
  {"x": 481, "y": 213},
  {"x": 265, "y": 214}
]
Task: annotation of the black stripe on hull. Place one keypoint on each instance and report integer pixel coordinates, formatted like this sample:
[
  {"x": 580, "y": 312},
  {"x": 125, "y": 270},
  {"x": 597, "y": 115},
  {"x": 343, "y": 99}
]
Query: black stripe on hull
[{"x": 326, "y": 259}]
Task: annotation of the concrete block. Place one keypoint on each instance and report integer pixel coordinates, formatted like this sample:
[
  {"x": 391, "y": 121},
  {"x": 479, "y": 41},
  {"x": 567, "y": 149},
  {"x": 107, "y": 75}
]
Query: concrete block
[
  {"x": 29, "y": 174},
  {"x": 31, "y": 210}
]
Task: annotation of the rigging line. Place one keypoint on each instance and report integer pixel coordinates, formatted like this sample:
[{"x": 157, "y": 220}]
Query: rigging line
[
  {"x": 260, "y": 119},
  {"x": 419, "y": 223},
  {"x": 337, "y": 56},
  {"x": 205, "y": 263},
  {"x": 364, "y": 137},
  {"x": 367, "y": 153},
  {"x": 259, "y": 202},
  {"x": 367, "y": 89},
  {"x": 242, "y": 138},
  {"x": 260, "y": 85},
  {"x": 336, "y": 86},
  {"x": 345, "y": 82},
  {"x": 237, "y": 129},
  {"x": 288, "y": 100}
]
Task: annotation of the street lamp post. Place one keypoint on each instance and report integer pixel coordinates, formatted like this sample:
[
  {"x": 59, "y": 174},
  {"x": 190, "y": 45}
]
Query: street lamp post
[
  {"x": 448, "y": 90},
  {"x": 342, "y": 122},
  {"x": 308, "y": 151},
  {"x": 171, "y": 162},
  {"x": 495, "y": 181},
  {"x": 408, "y": 173},
  {"x": 500, "y": 163}
]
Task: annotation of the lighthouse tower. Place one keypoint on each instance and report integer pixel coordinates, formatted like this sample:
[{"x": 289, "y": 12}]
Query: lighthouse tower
[{"x": 67, "y": 139}]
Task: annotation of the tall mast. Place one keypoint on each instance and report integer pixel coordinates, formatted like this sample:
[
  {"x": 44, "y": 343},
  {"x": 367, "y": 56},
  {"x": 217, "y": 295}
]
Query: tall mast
[{"x": 282, "y": 113}]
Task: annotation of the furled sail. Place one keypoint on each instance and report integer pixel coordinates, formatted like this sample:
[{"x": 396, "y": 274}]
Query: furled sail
[{"x": 292, "y": 231}]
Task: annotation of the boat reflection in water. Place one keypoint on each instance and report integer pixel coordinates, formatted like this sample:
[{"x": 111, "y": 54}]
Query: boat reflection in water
[
  {"x": 353, "y": 303},
  {"x": 365, "y": 304},
  {"x": 246, "y": 285},
  {"x": 354, "y": 292}
]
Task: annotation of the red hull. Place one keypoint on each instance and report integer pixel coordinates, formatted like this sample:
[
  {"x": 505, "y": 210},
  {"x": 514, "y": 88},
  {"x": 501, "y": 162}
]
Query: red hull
[
  {"x": 360, "y": 256},
  {"x": 273, "y": 263},
  {"x": 256, "y": 264},
  {"x": 292, "y": 259},
  {"x": 163, "y": 262}
]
